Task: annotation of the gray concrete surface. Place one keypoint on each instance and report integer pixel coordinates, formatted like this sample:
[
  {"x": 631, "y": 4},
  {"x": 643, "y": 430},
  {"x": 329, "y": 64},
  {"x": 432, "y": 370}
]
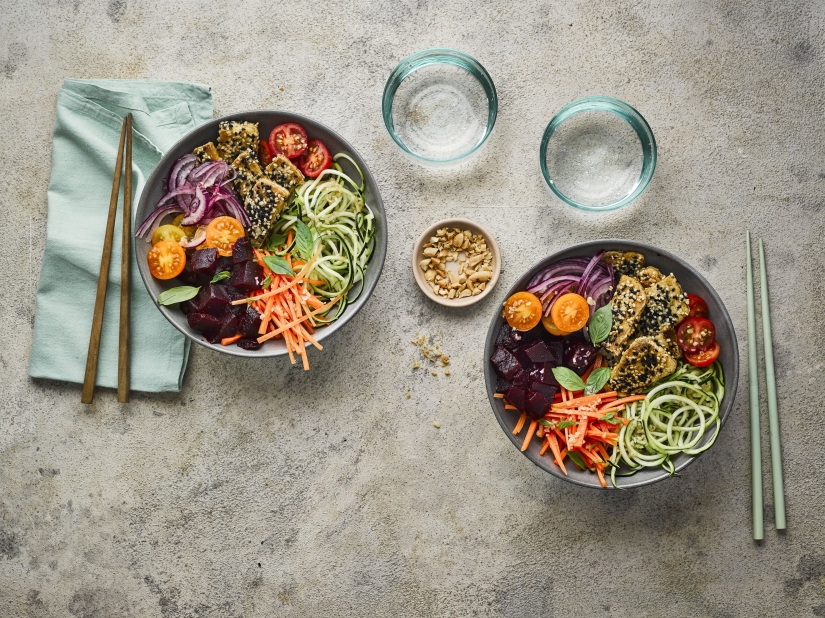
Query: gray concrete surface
[{"x": 263, "y": 491}]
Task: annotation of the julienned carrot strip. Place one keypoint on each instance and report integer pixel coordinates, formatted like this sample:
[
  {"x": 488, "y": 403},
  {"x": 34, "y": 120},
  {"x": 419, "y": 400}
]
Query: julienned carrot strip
[
  {"x": 507, "y": 406},
  {"x": 230, "y": 340},
  {"x": 289, "y": 238},
  {"x": 623, "y": 401},
  {"x": 530, "y": 431},
  {"x": 283, "y": 327},
  {"x": 602, "y": 451},
  {"x": 587, "y": 400},
  {"x": 565, "y": 415},
  {"x": 600, "y": 472},
  {"x": 520, "y": 424},
  {"x": 266, "y": 316},
  {"x": 498, "y": 396},
  {"x": 295, "y": 280},
  {"x": 544, "y": 446},
  {"x": 554, "y": 446}
]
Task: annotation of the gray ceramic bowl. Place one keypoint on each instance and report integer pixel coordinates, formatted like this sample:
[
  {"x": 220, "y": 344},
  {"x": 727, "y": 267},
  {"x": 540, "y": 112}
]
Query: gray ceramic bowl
[
  {"x": 267, "y": 120},
  {"x": 693, "y": 283}
]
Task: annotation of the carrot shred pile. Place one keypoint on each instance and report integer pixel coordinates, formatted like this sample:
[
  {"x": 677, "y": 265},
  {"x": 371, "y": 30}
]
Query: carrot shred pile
[{"x": 288, "y": 310}]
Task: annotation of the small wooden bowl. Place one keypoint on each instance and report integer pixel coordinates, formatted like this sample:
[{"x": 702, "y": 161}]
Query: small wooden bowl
[{"x": 418, "y": 255}]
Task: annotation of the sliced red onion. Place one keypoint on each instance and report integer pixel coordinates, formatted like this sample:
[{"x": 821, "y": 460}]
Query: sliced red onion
[
  {"x": 198, "y": 239},
  {"x": 586, "y": 275},
  {"x": 180, "y": 170},
  {"x": 148, "y": 227},
  {"x": 209, "y": 173},
  {"x": 197, "y": 208}
]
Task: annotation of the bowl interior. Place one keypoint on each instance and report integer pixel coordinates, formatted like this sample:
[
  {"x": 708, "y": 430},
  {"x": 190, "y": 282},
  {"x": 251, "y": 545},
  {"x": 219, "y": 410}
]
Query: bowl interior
[
  {"x": 598, "y": 153},
  {"x": 439, "y": 105},
  {"x": 692, "y": 282},
  {"x": 267, "y": 120},
  {"x": 418, "y": 255}
]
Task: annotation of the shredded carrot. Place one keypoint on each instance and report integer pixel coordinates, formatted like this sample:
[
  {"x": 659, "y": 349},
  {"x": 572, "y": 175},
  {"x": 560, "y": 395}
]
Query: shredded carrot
[
  {"x": 530, "y": 431},
  {"x": 507, "y": 406},
  {"x": 587, "y": 400},
  {"x": 600, "y": 472},
  {"x": 554, "y": 446},
  {"x": 623, "y": 400},
  {"x": 230, "y": 340},
  {"x": 544, "y": 446},
  {"x": 520, "y": 424},
  {"x": 498, "y": 396}
]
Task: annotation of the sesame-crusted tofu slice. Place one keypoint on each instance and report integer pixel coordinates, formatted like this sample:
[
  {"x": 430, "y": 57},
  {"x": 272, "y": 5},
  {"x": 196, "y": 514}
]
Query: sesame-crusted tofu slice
[
  {"x": 668, "y": 341},
  {"x": 263, "y": 203},
  {"x": 207, "y": 152},
  {"x": 283, "y": 172},
  {"x": 649, "y": 275},
  {"x": 666, "y": 307},
  {"x": 234, "y": 137},
  {"x": 627, "y": 305},
  {"x": 625, "y": 263},
  {"x": 643, "y": 363},
  {"x": 248, "y": 171}
]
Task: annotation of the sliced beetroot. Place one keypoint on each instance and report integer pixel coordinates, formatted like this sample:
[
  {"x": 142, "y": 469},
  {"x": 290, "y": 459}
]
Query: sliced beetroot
[
  {"x": 578, "y": 354},
  {"x": 203, "y": 322},
  {"x": 545, "y": 375},
  {"x": 204, "y": 262},
  {"x": 242, "y": 251},
  {"x": 234, "y": 295},
  {"x": 536, "y": 405},
  {"x": 502, "y": 384},
  {"x": 229, "y": 325},
  {"x": 248, "y": 344},
  {"x": 515, "y": 396},
  {"x": 247, "y": 276},
  {"x": 540, "y": 352},
  {"x": 188, "y": 276},
  {"x": 505, "y": 363},
  {"x": 521, "y": 378},
  {"x": 556, "y": 347},
  {"x": 212, "y": 299},
  {"x": 547, "y": 391},
  {"x": 225, "y": 263},
  {"x": 250, "y": 322},
  {"x": 505, "y": 337}
]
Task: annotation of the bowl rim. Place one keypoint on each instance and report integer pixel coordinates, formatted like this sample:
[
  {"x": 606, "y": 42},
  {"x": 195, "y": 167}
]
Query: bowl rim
[
  {"x": 417, "y": 255},
  {"x": 439, "y": 55},
  {"x": 731, "y": 378},
  {"x": 376, "y": 261},
  {"x": 630, "y": 115}
]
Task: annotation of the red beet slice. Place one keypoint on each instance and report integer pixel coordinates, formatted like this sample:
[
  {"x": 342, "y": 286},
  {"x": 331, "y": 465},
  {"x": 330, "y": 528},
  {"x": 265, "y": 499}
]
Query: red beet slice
[
  {"x": 505, "y": 363},
  {"x": 204, "y": 262},
  {"x": 242, "y": 251},
  {"x": 203, "y": 322},
  {"x": 515, "y": 396},
  {"x": 536, "y": 405},
  {"x": 247, "y": 276},
  {"x": 248, "y": 344},
  {"x": 229, "y": 325},
  {"x": 212, "y": 299},
  {"x": 250, "y": 323}
]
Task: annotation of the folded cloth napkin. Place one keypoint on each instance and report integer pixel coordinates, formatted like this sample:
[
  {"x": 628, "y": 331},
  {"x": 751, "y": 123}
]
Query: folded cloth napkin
[{"x": 86, "y": 134}]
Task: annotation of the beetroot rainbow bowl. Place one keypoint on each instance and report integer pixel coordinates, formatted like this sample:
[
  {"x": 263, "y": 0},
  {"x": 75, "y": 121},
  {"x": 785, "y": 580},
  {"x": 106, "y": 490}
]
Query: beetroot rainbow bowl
[
  {"x": 691, "y": 281},
  {"x": 156, "y": 186}
]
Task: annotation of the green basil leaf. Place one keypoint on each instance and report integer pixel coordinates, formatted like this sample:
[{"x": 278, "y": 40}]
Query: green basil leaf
[
  {"x": 274, "y": 242},
  {"x": 266, "y": 282},
  {"x": 303, "y": 240},
  {"x": 610, "y": 417},
  {"x": 224, "y": 274},
  {"x": 546, "y": 423},
  {"x": 177, "y": 295},
  {"x": 577, "y": 459},
  {"x": 563, "y": 424},
  {"x": 568, "y": 379},
  {"x": 601, "y": 324},
  {"x": 278, "y": 265},
  {"x": 597, "y": 380}
]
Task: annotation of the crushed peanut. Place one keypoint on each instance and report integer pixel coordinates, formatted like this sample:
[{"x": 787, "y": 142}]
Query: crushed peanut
[{"x": 463, "y": 248}]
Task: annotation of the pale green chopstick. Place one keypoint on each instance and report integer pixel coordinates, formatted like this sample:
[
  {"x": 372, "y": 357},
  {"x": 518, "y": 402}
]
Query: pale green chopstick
[
  {"x": 753, "y": 386},
  {"x": 773, "y": 409}
]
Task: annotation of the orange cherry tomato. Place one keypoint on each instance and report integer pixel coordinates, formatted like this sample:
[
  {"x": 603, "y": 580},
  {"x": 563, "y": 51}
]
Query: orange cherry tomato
[
  {"x": 522, "y": 310},
  {"x": 550, "y": 327},
  {"x": 221, "y": 233},
  {"x": 570, "y": 312},
  {"x": 166, "y": 259}
]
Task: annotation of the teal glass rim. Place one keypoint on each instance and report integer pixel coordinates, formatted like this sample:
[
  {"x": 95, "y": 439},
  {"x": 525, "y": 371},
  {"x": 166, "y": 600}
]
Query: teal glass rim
[
  {"x": 439, "y": 55},
  {"x": 624, "y": 111}
]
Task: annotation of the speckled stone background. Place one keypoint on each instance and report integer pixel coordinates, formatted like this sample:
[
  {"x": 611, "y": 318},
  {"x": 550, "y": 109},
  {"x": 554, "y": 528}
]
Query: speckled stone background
[{"x": 260, "y": 490}]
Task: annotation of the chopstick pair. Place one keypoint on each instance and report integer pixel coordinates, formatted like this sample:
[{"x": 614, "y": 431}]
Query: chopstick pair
[
  {"x": 773, "y": 410},
  {"x": 103, "y": 277}
]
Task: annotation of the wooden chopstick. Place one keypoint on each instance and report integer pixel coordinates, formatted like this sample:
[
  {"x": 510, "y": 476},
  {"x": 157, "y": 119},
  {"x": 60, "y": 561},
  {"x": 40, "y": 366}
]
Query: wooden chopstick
[
  {"x": 103, "y": 279},
  {"x": 125, "y": 275},
  {"x": 753, "y": 387},
  {"x": 773, "y": 408}
]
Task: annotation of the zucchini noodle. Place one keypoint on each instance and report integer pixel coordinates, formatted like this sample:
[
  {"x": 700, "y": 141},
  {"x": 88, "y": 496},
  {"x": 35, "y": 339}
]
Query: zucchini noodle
[
  {"x": 674, "y": 418},
  {"x": 343, "y": 228}
]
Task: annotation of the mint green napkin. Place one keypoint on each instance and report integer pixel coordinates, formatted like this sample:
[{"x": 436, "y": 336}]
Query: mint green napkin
[{"x": 86, "y": 134}]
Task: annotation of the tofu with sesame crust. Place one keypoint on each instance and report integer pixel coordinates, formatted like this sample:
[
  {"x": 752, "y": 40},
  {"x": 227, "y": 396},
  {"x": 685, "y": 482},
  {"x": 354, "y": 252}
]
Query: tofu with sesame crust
[
  {"x": 627, "y": 305},
  {"x": 234, "y": 137},
  {"x": 264, "y": 203},
  {"x": 248, "y": 172},
  {"x": 649, "y": 275},
  {"x": 207, "y": 152},
  {"x": 666, "y": 307},
  {"x": 283, "y": 172},
  {"x": 643, "y": 363},
  {"x": 625, "y": 263}
]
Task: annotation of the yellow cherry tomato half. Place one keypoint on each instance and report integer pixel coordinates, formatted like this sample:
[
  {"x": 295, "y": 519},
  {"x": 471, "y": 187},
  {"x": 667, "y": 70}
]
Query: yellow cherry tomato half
[
  {"x": 522, "y": 310},
  {"x": 166, "y": 259},
  {"x": 570, "y": 312},
  {"x": 222, "y": 233},
  {"x": 550, "y": 327},
  {"x": 168, "y": 232},
  {"x": 189, "y": 230}
]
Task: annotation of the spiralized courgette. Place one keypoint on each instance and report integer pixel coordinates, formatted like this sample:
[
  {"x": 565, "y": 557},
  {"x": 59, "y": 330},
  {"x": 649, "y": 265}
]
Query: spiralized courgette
[{"x": 674, "y": 418}]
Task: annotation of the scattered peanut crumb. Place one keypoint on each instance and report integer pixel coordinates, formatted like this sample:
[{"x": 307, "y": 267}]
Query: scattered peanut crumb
[
  {"x": 435, "y": 373},
  {"x": 446, "y": 372},
  {"x": 436, "y": 424},
  {"x": 416, "y": 365},
  {"x": 431, "y": 353},
  {"x": 408, "y": 395}
]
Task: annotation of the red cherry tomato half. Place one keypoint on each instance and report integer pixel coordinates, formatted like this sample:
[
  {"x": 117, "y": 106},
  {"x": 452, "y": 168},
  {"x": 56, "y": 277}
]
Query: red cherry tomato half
[
  {"x": 703, "y": 358},
  {"x": 288, "y": 139},
  {"x": 265, "y": 154},
  {"x": 315, "y": 160},
  {"x": 695, "y": 334},
  {"x": 697, "y": 308}
]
